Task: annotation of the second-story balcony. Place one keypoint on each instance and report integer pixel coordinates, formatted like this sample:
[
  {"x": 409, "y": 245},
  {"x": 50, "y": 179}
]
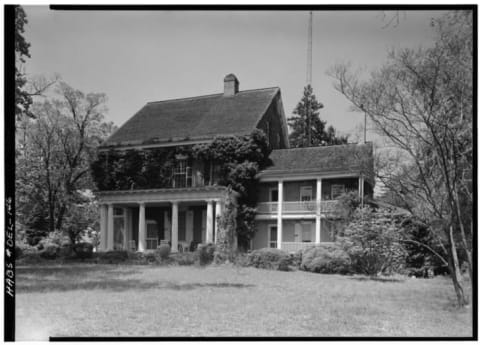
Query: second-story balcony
[{"x": 301, "y": 207}]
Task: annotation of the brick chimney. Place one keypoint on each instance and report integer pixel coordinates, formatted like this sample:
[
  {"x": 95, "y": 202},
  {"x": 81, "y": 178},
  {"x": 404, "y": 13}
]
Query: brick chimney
[{"x": 230, "y": 85}]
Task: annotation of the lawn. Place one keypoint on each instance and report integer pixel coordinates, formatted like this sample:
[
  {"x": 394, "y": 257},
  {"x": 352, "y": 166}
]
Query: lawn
[{"x": 110, "y": 300}]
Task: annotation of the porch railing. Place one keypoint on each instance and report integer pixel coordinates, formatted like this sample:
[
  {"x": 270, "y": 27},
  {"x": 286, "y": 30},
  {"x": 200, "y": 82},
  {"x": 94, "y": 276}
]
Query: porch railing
[{"x": 301, "y": 207}]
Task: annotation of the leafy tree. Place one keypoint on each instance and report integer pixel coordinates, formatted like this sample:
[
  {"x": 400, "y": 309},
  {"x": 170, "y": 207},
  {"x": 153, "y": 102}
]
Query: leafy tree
[
  {"x": 421, "y": 101},
  {"x": 373, "y": 241},
  {"x": 307, "y": 127},
  {"x": 60, "y": 142},
  {"x": 22, "y": 98}
]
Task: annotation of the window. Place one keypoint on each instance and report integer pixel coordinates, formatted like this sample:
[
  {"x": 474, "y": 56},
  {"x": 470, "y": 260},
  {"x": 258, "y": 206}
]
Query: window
[
  {"x": 337, "y": 190},
  {"x": 152, "y": 234},
  {"x": 306, "y": 193},
  {"x": 119, "y": 231},
  {"x": 272, "y": 236},
  {"x": 307, "y": 232},
  {"x": 182, "y": 174},
  {"x": 273, "y": 197}
]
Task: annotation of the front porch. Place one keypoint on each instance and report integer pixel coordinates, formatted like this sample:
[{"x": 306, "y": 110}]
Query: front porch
[{"x": 141, "y": 220}]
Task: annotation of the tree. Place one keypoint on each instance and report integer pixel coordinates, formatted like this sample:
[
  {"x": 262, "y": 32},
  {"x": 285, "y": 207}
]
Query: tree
[
  {"x": 22, "y": 99},
  {"x": 421, "y": 100},
  {"x": 307, "y": 127},
  {"x": 60, "y": 142}
]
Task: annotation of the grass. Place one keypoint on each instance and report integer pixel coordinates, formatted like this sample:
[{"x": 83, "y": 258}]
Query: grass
[{"x": 119, "y": 300}]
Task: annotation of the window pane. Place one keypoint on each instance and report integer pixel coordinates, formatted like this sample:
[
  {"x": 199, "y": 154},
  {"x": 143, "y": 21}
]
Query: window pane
[{"x": 273, "y": 233}]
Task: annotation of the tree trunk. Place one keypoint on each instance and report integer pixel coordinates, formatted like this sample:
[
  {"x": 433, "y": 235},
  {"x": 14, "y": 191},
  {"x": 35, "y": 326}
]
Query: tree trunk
[
  {"x": 464, "y": 237},
  {"x": 61, "y": 213},
  {"x": 454, "y": 269}
]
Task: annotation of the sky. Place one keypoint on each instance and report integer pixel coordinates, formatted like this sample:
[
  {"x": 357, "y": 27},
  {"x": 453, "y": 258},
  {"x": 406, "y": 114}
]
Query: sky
[{"x": 135, "y": 57}]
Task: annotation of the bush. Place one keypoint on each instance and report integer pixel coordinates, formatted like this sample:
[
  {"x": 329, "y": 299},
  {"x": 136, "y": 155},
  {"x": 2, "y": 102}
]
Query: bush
[
  {"x": 373, "y": 242},
  {"x": 114, "y": 256},
  {"x": 50, "y": 252},
  {"x": 184, "y": 259},
  {"x": 18, "y": 252},
  {"x": 205, "y": 253},
  {"x": 163, "y": 251},
  {"x": 327, "y": 258},
  {"x": 268, "y": 258},
  {"x": 83, "y": 250}
]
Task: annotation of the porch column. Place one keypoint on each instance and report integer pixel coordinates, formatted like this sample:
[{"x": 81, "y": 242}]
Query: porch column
[
  {"x": 209, "y": 235},
  {"x": 279, "y": 214},
  {"x": 110, "y": 227},
  {"x": 318, "y": 214},
  {"x": 174, "y": 227},
  {"x": 103, "y": 227},
  {"x": 218, "y": 213},
  {"x": 141, "y": 228}
]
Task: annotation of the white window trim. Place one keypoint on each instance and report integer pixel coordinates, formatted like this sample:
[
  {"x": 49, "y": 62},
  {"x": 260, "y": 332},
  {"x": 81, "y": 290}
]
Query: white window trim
[
  {"x": 147, "y": 239},
  {"x": 306, "y": 188},
  {"x": 269, "y": 227},
  {"x": 273, "y": 204},
  {"x": 124, "y": 217}
]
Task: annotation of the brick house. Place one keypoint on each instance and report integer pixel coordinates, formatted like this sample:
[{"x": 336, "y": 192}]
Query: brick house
[{"x": 297, "y": 194}]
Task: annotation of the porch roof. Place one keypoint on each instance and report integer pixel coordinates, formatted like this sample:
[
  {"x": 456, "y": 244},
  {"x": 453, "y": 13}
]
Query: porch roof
[{"x": 162, "y": 194}]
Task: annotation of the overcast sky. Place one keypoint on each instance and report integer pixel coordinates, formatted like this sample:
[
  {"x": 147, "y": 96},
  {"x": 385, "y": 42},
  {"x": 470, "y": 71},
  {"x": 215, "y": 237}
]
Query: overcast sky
[{"x": 139, "y": 56}]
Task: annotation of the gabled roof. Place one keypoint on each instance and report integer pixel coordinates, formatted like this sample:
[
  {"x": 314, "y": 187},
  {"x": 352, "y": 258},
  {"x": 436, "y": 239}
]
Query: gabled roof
[
  {"x": 322, "y": 160},
  {"x": 196, "y": 118}
]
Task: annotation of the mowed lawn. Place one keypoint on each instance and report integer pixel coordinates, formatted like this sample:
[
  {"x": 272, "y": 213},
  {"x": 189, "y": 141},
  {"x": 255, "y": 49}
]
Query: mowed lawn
[{"x": 109, "y": 300}]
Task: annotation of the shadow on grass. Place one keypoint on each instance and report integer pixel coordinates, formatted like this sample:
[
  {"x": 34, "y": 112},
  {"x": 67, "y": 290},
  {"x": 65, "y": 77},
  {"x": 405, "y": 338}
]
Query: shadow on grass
[
  {"x": 379, "y": 279},
  {"x": 35, "y": 284},
  {"x": 70, "y": 270}
]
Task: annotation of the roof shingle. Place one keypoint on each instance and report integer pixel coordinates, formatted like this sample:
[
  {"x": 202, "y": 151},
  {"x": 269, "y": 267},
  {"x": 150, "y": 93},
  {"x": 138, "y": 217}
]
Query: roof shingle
[
  {"x": 354, "y": 158},
  {"x": 194, "y": 118}
]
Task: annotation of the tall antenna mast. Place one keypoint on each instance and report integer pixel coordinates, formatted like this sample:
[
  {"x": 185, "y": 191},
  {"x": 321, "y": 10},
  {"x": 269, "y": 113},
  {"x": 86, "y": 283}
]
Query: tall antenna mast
[{"x": 309, "y": 50}]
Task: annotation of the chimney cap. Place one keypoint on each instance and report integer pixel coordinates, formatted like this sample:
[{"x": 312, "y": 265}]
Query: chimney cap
[{"x": 230, "y": 77}]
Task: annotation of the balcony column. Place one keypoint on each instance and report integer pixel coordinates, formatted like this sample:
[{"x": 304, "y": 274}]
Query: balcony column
[
  {"x": 279, "y": 214},
  {"x": 209, "y": 235},
  {"x": 174, "y": 226},
  {"x": 218, "y": 213},
  {"x": 141, "y": 228},
  {"x": 318, "y": 213},
  {"x": 103, "y": 227},
  {"x": 110, "y": 227}
]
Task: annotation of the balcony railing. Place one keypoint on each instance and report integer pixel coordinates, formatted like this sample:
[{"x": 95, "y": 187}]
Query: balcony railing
[{"x": 301, "y": 207}]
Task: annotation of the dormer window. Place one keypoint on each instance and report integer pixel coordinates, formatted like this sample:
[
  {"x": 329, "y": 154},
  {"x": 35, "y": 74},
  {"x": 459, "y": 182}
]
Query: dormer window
[{"x": 182, "y": 174}]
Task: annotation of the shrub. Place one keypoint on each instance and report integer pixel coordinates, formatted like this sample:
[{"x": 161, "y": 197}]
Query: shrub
[
  {"x": 326, "y": 258},
  {"x": 268, "y": 258},
  {"x": 205, "y": 253},
  {"x": 163, "y": 251},
  {"x": 114, "y": 256},
  {"x": 65, "y": 251},
  {"x": 50, "y": 252},
  {"x": 151, "y": 258},
  {"x": 83, "y": 250},
  {"x": 184, "y": 259},
  {"x": 18, "y": 252},
  {"x": 373, "y": 241}
]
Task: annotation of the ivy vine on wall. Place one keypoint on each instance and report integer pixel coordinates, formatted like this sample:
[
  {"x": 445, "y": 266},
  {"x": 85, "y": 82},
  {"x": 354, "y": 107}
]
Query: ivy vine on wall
[{"x": 236, "y": 159}]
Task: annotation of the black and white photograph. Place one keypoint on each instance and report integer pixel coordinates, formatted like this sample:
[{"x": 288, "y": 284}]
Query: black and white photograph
[{"x": 240, "y": 172}]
